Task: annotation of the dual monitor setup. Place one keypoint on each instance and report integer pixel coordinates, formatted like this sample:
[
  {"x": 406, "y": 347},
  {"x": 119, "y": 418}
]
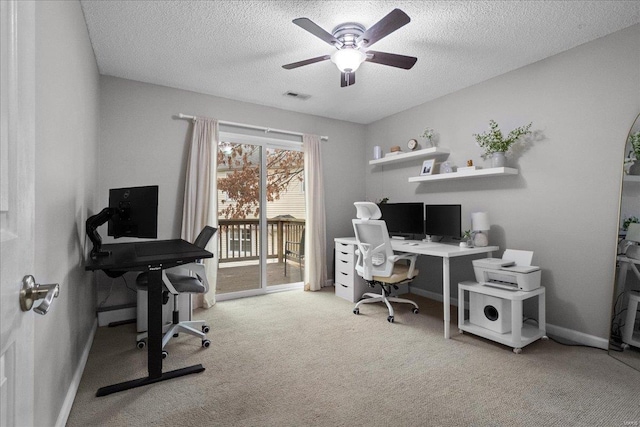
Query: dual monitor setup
[
  {"x": 415, "y": 220},
  {"x": 132, "y": 212}
]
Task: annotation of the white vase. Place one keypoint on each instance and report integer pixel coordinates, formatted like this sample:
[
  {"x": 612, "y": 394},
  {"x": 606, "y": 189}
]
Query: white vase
[{"x": 498, "y": 160}]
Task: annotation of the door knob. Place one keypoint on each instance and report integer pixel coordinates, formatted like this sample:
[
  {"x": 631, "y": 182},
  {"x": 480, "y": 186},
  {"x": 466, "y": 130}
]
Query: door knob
[{"x": 31, "y": 292}]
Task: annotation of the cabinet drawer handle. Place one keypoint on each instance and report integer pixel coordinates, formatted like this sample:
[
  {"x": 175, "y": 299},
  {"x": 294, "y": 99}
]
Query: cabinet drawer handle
[
  {"x": 344, "y": 286},
  {"x": 344, "y": 253},
  {"x": 344, "y": 261},
  {"x": 342, "y": 272}
]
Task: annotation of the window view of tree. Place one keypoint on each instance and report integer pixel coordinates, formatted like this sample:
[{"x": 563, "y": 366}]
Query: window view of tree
[{"x": 241, "y": 181}]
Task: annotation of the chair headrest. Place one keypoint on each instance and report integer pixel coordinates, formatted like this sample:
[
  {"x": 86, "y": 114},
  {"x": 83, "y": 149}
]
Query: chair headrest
[{"x": 367, "y": 210}]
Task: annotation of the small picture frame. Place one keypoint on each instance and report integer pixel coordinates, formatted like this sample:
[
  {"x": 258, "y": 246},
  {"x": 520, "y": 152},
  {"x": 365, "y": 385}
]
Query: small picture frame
[{"x": 427, "y": 167}]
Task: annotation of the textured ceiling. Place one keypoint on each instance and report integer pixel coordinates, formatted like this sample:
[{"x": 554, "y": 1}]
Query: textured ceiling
[{"x": 236, "y": 49}]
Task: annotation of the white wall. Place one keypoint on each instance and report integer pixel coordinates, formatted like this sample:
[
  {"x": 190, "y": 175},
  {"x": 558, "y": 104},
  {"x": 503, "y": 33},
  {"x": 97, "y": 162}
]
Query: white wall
[
  {"x": 564, "y": 203},
  {"x": 67, "y": 89},
  {"x": 142, "y": 143}
]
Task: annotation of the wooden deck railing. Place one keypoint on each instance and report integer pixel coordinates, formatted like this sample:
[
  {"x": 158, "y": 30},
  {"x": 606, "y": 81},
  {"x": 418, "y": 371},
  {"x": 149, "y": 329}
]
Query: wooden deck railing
[{"x": 239, "y": 239}]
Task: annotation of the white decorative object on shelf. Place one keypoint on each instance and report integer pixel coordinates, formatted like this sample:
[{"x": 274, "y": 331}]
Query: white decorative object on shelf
[
  {"x": 460, "y": 175},
  {"x": 418, "y": 154}
]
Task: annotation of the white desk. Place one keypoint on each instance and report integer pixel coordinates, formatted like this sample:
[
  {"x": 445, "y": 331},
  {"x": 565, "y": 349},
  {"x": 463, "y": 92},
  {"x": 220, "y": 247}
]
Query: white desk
[{"x": 442, "y": 250}]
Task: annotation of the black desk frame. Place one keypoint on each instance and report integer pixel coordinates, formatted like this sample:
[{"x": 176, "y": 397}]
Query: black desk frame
[{"x": 123, "y": 257}]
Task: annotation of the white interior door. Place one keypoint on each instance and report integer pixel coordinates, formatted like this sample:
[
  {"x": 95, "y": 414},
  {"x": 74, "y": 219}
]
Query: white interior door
[{"x": 17, "y": 165}]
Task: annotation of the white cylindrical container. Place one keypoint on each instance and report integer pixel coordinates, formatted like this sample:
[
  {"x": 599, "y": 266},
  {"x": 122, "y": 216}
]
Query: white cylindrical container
[{"x": 377, "y": 152}]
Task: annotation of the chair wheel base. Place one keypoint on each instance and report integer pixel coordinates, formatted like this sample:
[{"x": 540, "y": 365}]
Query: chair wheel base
[
  {"x": 141, "y": 344},
  {"x": 415, "y": 311},
  {"x": 390, "y": 319},
  {"x": 165, "y": 353},
  {"x": 205, "y": 328},
  {"x": 356, "y": 311},
  {"x": 206, "y": 343}
]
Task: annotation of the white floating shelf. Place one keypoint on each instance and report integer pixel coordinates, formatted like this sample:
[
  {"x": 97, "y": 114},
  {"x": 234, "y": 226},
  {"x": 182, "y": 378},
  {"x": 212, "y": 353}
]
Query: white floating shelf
[
  {"x": 463, "y": 175},
  {"x": 402, "y": 157}
]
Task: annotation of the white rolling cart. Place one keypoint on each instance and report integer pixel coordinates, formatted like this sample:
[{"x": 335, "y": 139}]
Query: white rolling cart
[{"x": 519, "y": 334}]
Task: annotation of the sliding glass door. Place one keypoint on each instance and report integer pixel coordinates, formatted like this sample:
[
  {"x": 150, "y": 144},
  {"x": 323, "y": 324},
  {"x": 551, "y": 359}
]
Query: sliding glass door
[{"x": 261, "y": 215}]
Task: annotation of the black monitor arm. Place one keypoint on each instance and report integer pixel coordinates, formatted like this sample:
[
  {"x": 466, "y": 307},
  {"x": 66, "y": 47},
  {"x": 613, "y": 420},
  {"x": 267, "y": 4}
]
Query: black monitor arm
[{"x": 92, "y": 224}]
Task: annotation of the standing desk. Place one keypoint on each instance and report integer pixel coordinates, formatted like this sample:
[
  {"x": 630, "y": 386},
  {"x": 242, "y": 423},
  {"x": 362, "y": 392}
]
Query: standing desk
[
  {"x": 153, "y": 257},
  {"x": 444, "y": 251}
]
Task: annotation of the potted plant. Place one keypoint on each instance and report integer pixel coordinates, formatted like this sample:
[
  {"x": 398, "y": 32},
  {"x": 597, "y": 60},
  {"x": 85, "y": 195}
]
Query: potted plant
[
  {"x": 428, "y": 136},
  {"x": 467, "y": 240},
  {"x": 495, "y": 144}
]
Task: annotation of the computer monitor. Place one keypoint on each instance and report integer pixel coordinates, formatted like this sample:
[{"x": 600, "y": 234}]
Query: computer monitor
[
  {"x": 135, "y": 212},
  {"x": 403, "y": 219},
  {"x": 443, "y": 220}
]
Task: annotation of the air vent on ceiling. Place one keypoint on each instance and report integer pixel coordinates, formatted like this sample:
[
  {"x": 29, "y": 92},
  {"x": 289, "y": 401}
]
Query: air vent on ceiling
[{"x": 296, "y": 95}]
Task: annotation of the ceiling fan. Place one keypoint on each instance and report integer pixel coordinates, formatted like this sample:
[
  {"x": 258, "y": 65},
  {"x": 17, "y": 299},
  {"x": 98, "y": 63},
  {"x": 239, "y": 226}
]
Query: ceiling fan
[{"x": 351, "y": 39}]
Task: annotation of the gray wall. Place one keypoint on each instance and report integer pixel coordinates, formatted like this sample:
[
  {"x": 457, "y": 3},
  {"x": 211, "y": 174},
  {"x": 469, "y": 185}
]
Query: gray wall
[
  {"x": 142, "y": 143},
  {"x": 564, "y": 203},
  {"x": 67, "y": 88}
]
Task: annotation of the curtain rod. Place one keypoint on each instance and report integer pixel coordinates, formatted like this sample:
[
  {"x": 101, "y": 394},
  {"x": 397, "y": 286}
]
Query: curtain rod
[{"x": 242, "y": 125}]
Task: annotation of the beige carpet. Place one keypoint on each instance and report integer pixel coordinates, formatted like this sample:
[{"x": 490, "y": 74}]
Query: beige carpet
[{"x": 303, "y": 358}]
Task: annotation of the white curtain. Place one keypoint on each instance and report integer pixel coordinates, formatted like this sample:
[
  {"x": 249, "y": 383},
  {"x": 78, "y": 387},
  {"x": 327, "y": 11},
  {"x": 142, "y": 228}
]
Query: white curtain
[
  {"x": 315, "y": 272},
  {"x": 200, "y": 198}
]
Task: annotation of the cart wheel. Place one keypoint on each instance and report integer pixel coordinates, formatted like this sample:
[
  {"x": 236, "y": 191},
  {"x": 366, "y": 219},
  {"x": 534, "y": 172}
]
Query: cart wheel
[
  {"x": 356, "y": 311},
  {"x": 517, "y": 350},
  {"x": 415, "y": 310},
  {"x": 390, "y": 319},
  {"x": 165, "y": 353},
  {"x": 205, "y": 328},
  {"x": 141, "y": 344},
  {"x": 206, "y": 343}
]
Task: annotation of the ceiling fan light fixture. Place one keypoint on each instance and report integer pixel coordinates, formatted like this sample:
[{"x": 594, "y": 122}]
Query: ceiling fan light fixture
[{"x": 348, "y": 59}]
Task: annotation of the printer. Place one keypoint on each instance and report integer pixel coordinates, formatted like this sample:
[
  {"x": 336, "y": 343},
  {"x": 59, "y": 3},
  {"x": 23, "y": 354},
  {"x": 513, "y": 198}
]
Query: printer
[{"x": 513, "y": 271}]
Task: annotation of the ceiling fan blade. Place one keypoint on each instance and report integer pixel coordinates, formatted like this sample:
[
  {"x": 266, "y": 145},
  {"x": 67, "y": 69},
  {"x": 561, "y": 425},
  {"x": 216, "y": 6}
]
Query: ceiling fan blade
[
  {"x": 306, "y": 62},
  {"x": 347, "y": 79},
  {"x": 316, "y": 30},
  {"x": 391, "y": 59},
  {"x": 387, "y": 25}
]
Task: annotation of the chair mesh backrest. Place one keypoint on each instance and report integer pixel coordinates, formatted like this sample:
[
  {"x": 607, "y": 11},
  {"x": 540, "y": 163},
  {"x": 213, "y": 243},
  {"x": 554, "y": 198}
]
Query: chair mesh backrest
[
  {"x": 375, "y": 248},
  {"x": 205, "y": 235}
]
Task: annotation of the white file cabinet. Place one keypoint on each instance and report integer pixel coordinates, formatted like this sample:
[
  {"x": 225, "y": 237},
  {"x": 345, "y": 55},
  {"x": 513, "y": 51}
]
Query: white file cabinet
[
  {"x": 349, "y": 285},
  {"x": 502, "y": 303}
]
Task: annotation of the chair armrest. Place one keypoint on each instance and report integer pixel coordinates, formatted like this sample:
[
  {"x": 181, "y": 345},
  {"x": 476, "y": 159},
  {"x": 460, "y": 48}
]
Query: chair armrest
[{"x": 411, "y": 257}]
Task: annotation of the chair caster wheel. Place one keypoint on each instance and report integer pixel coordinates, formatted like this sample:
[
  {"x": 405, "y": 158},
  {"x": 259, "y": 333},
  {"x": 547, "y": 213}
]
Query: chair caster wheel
[
  {"x": 165, "y": 353},
  {"x": 206, "y": 343},
  {"x": 176, "y": 335},
  {"x": 141, "y": 344},
  {"x": 205, "y": 328},
  {"x": 356, "y": 311},
  {"x": 415, "y": 311},
  {"x": 517, "y": 350},
  {"x": 390, "y": 319}
]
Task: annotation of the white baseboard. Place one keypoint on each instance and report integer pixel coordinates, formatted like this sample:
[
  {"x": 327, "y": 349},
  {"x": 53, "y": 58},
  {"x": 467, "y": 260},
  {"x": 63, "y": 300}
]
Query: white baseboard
[
  {"x": 558, "y": 331},
  {"x": 119, "y": 315},
  {"x": 63, "y": 416},
  {"x": 431, "y": 295},
  {"x": 578, "y": 337}
]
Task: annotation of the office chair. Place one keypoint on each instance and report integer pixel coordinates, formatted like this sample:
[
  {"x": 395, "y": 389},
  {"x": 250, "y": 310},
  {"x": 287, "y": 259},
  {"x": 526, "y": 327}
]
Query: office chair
[
  {"x": 296, "y": 251},
  {"x": 376, "y": 262},
  {"x": 187, "y": 278}
]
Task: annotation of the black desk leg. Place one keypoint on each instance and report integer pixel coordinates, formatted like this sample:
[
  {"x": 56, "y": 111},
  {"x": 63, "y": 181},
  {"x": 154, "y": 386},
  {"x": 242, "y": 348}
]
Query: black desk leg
[
  {"x": 154, "y": 342},
  {"x": 154, "y": 322}
]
